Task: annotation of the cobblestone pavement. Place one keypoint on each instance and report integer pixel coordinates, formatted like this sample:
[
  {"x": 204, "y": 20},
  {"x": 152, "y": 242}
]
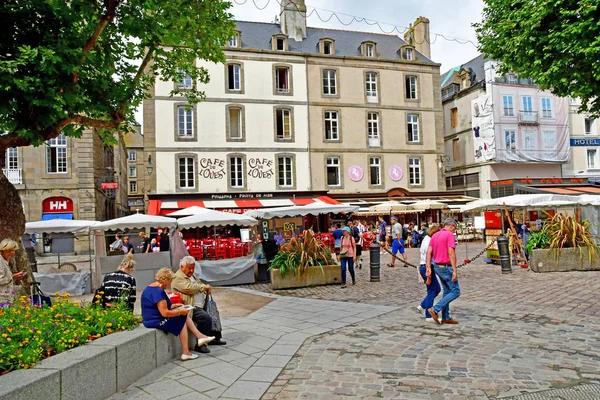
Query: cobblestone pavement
[{"x": 518, "y": 333}]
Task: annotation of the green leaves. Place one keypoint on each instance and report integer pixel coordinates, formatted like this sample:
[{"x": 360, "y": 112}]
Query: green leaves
[
  {"x": 48, "y": 74},
  {"x": 555, "y": 42}
]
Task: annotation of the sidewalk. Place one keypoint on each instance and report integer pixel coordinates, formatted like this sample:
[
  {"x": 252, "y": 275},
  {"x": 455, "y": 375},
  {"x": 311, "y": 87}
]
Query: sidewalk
[{"x": 258, "y": 347}]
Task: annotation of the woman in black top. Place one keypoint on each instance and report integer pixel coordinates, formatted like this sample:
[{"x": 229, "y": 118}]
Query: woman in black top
[{"x": 120, "y": 284}]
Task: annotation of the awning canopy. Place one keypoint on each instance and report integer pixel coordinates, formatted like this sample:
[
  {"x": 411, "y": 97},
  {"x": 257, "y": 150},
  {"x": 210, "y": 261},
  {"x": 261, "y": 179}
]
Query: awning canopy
[
  {"x": 136, "y": 221},
  {"x": 59, "y": 226},
  {"x": 533, "y": 201},
  {"x": 300, "y": 211},
  {"x": 51, "y": 216},
  {"x": 238, "y": 206},
  {"x": 212, "y": 218}
]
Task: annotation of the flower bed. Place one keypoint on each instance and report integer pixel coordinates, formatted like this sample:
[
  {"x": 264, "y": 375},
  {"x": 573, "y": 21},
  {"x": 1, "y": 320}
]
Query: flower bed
[{"x": 29, "y": 333}]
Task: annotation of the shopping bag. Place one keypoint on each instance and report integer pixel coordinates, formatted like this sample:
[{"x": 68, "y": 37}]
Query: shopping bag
[
  {"x": 211, "y": 308},
  {"x": 38, "y": 297}
]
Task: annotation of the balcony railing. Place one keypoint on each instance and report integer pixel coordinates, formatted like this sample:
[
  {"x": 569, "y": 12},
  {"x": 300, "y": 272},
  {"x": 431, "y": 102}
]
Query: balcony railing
[
  {"x": 528, "y": 117},
  {"x": 13, "y": 175}
]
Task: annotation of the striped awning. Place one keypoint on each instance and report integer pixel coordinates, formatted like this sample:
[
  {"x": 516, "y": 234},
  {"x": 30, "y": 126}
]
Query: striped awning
[{"x": 160, "y": 207}]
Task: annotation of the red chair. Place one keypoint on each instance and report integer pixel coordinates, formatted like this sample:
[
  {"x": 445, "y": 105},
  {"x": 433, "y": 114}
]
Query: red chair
[
  {"x": 196, "y": 252},
  {"x": 220, "y": 251}
]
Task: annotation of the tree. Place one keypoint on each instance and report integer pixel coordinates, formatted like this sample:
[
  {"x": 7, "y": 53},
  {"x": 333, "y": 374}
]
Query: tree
[
  {"x": 68, "y": 65},
  {"x": 557, "y": 43}
]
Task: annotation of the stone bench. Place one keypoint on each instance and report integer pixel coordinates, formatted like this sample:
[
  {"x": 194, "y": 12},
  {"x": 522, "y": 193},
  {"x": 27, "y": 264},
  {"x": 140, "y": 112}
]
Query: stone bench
[{"x": 95, "y": 371}]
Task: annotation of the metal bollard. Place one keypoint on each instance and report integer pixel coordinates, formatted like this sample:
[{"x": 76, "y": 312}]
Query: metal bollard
[
  {"x": 374, "y": 262},
  {"x": 504, "y": 254}
]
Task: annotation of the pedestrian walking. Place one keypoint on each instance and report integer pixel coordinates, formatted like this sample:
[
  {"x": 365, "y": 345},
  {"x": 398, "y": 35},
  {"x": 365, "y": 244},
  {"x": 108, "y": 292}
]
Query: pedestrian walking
[
  {"x": 441, "y": 255},
  {"x": 398, "y": 242},
  {"x": 431, "y": 283},
  {"x": 347, "y": 255},
  {"x": 381, "y": 234}
]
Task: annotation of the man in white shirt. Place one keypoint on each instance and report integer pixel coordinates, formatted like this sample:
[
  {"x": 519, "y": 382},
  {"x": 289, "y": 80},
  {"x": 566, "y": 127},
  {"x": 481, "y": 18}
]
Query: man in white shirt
[{"x": 398, "y": 243}]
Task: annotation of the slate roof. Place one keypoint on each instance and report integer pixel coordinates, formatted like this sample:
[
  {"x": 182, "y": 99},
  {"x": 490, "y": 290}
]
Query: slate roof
[
  {"x": 476, "y": 64},
  {"x": 257, "y": 35}
]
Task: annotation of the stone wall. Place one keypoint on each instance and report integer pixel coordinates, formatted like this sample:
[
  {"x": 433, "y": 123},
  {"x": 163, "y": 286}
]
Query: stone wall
[{"x": 568, "y": 260}]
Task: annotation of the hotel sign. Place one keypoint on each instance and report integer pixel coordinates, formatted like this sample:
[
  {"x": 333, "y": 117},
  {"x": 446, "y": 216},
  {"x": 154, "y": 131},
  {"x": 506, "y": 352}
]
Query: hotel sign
[{"x": 585, "y": 142}]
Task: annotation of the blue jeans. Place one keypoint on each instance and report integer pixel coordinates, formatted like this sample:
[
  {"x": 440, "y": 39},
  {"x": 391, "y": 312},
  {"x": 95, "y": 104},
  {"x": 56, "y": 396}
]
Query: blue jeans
[
  {"x": 451, "y": 290},
  {"x": 347, "y": 262},
  {"x": 433, "y": 289}
]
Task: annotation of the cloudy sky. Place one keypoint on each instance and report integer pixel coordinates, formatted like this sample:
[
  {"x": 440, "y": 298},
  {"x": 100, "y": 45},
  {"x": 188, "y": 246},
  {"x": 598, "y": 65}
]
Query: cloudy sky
[{"x": 452, "y": 18}]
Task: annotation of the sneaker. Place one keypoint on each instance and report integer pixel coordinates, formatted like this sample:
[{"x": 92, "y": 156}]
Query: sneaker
[
  {"x": 420, "y": 309},
  {"x": 205, "y": 340},
  {"x": 434, "y": 316},
  {"x": 185, "y": 357},
  {"x": 429, "y": 320},
  {"x": 344, "y": 286}
]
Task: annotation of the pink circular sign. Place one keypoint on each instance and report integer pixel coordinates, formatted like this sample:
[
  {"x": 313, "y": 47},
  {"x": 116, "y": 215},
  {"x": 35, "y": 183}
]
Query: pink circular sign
[
  {"x": 355, "y": 172},
  {"x": 395, "y": 173}
]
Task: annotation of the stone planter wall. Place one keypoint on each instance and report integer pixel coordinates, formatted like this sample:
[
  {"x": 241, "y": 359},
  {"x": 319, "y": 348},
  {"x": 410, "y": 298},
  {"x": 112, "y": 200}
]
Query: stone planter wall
[
  {"x": 568, "y": 260},
  {"x": 313, "y": 276},
  {"x": 94, "y": 371}
]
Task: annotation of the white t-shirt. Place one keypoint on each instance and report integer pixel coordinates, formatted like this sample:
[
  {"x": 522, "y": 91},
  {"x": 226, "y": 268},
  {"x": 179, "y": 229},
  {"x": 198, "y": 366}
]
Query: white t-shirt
[{"x": 423, "y": 249}]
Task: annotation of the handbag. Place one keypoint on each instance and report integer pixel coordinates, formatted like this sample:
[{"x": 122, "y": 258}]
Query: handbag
[
  {"x": 37, "y": 296},
  {"x": 211, "y": 309}
]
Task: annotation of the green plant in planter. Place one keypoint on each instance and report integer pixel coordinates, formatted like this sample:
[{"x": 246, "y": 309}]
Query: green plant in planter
[
  {"x": 538, "y": 240},
  {"x": 299, "y": 254},
  {"x": 566, "y": 231}
]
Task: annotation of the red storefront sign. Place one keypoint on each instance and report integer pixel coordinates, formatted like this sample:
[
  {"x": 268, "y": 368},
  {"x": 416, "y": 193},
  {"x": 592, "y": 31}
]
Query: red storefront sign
[
  {"x": 493, "y": 219},
  {"x": 57, "y": 205},
  {"x": 109, "y": 185}
]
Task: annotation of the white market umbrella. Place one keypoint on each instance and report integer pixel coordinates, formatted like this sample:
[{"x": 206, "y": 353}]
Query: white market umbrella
[
  {"x": 428, "y": 205},
  {"x": 193, "y": 210},
  {"x": 534, "y": 201},
  {"x": 59, "y": 226},
  {"x": 214, "y": 218},
  {"x": 388, "y": 207},
  {"x": 136, "y": 221}
]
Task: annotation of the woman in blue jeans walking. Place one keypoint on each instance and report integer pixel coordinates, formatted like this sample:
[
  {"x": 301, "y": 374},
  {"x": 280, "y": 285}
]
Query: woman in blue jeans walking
[
  {"x": 433, "y": 289},
  {"x": 347, "y": 256}
]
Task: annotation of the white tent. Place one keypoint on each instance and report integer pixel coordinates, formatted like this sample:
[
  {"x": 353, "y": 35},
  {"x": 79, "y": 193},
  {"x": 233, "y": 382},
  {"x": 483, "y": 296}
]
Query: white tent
[
  {"x": 136, "y": 221},
  {"x": 59, "y": 226},
  {"x": 213, "y": 218},
  {"x": 388, "y": 207},
  {"x": 300, "y": 211},
  {"x": 533, "y": 201}
]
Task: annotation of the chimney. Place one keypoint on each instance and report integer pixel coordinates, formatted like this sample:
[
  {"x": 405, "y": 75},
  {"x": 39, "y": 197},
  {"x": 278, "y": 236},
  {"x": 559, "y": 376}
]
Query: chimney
[
  {"x": 293, "y": 19},
  {"x": 418, "y": 36}
]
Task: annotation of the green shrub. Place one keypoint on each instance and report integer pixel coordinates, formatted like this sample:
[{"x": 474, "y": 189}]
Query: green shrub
[
  {"x": 29, "y": 333},
  {"x": 299, "y": 254}
]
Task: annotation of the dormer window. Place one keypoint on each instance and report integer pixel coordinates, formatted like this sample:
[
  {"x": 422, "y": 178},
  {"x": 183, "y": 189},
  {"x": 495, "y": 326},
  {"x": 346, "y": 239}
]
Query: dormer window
[
  {"x": 327, "y": 46},
  {"x": 235, "y": 40},
  {"x": 279, "y": 43},
  {"x": 408, "y": 54},
  {"x": 368, "y": 49}
]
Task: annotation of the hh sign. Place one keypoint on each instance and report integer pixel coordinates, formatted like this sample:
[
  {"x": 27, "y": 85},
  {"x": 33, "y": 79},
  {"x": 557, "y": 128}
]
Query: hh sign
[{"x": 57, "y": 205}]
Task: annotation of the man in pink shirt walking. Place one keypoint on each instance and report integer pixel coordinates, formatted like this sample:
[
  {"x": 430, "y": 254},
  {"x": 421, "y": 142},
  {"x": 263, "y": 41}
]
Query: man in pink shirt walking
[{"x": 442, "y": 249}]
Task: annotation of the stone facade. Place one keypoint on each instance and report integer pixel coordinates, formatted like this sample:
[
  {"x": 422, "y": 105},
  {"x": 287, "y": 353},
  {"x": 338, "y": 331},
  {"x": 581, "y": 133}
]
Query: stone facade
[
  {"x": 38, "y": 175},
  {"x": 137, "y": 184},
  {"x": 380, "y": 121}
]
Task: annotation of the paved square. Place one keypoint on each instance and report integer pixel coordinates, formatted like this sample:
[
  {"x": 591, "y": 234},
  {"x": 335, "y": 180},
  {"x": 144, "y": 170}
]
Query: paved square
[{"x": 518, "y": 334}]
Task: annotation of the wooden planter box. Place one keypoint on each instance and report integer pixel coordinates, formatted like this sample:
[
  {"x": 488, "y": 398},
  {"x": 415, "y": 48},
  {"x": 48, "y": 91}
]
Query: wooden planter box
[
  {"x": 313, "y": 276},
  {"x": 568, "y": 260}
]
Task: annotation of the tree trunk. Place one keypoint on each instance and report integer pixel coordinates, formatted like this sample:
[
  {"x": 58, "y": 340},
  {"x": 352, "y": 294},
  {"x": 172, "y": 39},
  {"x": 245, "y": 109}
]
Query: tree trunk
[{"x": 12, "y": 226}]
